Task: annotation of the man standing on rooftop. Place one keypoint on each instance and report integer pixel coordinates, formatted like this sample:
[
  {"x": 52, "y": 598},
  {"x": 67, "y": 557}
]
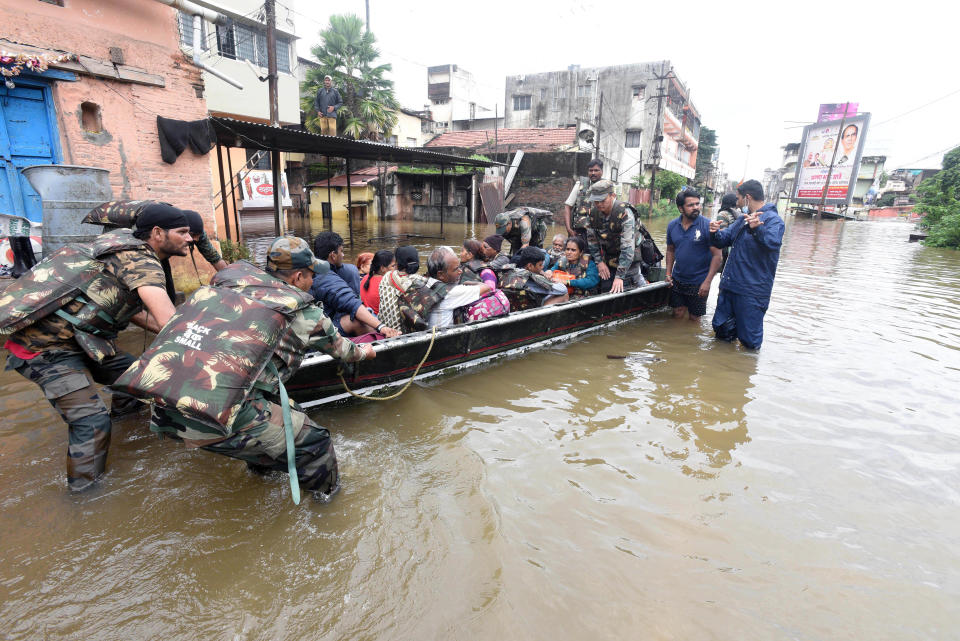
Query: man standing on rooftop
[{"x": 327, "y": 104}]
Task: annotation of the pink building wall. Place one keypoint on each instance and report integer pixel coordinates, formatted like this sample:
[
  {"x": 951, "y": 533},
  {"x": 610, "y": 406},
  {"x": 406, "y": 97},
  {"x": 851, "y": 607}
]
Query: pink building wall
[{"x": 128, "y": 144}]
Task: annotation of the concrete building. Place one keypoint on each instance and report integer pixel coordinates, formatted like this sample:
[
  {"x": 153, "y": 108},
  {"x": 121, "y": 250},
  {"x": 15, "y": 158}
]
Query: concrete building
[
  {"x": 237, "y": 48},
  {"x": 457, "y": 102},
  {"x": 114, "y": 67},
  {"x": 631, "y": 97},
  {"x": 552, "y": 161}
]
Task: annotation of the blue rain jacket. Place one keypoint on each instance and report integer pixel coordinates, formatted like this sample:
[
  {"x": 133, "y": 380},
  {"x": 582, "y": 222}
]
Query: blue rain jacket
[{"x": 754, "y": 253}]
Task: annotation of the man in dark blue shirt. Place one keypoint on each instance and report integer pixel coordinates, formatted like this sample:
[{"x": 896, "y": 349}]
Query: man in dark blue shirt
[
  {"x": 754, "y": 240},
  {"x": 692, "y": 261}
]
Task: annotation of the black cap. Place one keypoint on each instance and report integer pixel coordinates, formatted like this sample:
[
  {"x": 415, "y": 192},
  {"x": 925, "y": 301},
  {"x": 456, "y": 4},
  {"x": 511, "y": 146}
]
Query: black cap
[
  {"x": 194, "y": 220},
  {"x": 160, "y": 215}
]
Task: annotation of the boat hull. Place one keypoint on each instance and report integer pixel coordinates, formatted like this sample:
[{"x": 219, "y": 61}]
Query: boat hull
[{"x": 460, "y": 346}]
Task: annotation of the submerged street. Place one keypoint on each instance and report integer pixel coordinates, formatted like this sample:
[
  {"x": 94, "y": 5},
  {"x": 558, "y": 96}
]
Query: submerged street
[{"x": 692, "y": 489}]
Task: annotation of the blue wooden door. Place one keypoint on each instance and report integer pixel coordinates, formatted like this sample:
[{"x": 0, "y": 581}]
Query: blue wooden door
[{"x": 28, "y": 136}]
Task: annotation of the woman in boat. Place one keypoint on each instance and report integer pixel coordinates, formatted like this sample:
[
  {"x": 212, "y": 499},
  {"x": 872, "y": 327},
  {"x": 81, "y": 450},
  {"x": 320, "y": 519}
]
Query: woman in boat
[
  {"x": 382, "y": 262},
  {"x": 586, "y": 277},
  {"x": 471, "y": 260},
  {"x": 363, "y": 263}
]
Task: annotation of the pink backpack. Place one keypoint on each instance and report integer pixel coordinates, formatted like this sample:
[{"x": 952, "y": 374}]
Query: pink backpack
[{"x": 490, "y": 306}]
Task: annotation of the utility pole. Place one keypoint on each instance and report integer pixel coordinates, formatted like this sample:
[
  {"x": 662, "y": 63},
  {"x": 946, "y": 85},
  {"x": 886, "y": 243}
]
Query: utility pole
[
  {"x": 367, "y": 3},
  {"x": 271, "y": 13},
  {"x": 658, "y": 131},
  {"x": 596, "y": 142}
]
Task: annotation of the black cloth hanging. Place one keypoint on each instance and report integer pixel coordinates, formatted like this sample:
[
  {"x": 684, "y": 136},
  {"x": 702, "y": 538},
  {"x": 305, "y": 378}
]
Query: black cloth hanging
[
  {"x": 175, "y": 135},
  {"x": 23, "y": 256}
]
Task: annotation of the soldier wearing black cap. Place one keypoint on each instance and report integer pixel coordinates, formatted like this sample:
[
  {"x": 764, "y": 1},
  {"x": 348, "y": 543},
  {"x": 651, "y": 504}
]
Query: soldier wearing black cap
[
  {"x": 611, "y": 239},
  {"x": 65, "y": 348}
]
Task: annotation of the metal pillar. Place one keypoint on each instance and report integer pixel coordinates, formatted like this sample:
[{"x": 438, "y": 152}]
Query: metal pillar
[
  {"x": 349, "y": 204},
  {"x": 223, "y": 192}
]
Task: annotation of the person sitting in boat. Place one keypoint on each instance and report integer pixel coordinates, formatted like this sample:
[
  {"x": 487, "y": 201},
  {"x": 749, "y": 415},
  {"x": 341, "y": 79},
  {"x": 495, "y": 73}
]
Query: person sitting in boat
[
  {"x": 443, "y": 268},
  {"x": 526, "y": 286},
  {"x": 494, "y": 253},
  {"x": 328, "y": 246},
  {"x": 474, "y": 267},
  {"x": 380, "y": 264},
  {"x": 348, "y": 313},
  {"x": 556, "y": 251},
  {"x": 363, "y": 263},
  {"x": 579, "y": 265},
  {"x": 397, "y": 281}
]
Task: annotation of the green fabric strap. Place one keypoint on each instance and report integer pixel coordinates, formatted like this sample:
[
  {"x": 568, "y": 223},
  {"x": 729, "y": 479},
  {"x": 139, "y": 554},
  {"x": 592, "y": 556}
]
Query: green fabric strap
[
  {"x": 288, "y": 429},
  {"x": 81, "y": 325}
]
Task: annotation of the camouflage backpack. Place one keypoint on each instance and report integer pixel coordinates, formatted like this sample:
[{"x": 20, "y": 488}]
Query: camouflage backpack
[
  {"x": 209, "y": 357},
  {"x": 73, "y": 272},
  {"x": 416, "y": 302},
  {"x": 513, "y": 282},
  {"x": 117, "y": 213}
]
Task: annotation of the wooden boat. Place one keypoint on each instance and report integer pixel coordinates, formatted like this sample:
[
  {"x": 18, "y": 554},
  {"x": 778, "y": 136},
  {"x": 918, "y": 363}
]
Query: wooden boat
[{"x": 461, "y": 346}]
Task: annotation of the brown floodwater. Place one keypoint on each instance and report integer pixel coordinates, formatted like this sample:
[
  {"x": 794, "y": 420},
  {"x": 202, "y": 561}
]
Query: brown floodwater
[{"x": 692, "y": 490}]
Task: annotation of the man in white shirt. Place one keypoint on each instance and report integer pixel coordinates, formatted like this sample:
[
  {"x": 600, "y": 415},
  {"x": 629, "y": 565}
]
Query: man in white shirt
[{"x": 444, "y": 266}]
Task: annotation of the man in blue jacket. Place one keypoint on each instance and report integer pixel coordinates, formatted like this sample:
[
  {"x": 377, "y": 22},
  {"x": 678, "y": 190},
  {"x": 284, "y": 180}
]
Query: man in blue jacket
[
  {"x": 754, "y": 240},
  {"x": 344, "y": 308}
]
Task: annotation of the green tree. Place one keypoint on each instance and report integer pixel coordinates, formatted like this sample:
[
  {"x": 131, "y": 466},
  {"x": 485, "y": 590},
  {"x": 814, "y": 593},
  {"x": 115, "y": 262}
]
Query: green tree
[
  {"x": 669, "y": 183},
  {"x": 705, "y": 151},
  {"x": 940, "y": 202},
  {"x": 348, "y": 55}
]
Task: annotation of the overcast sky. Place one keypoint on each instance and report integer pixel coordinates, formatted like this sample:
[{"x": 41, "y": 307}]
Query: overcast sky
[{"x": 753, "y": 68}]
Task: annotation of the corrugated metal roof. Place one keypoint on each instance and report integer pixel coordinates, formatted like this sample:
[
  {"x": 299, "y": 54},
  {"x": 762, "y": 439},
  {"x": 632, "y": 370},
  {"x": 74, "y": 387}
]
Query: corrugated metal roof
[{"x": 252, "y": 135}]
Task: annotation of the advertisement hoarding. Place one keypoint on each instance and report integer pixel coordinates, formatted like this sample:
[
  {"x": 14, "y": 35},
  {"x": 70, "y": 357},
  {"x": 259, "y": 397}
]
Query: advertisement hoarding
[
  {"x": 836, "y": 110},
  {"x": 823, "y": 145},
  {"x": 257, "y": 188}
]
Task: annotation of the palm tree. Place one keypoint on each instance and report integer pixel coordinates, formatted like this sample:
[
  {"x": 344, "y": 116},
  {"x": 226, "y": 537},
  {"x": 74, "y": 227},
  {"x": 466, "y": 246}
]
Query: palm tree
[{"x": 347, "y": 54}]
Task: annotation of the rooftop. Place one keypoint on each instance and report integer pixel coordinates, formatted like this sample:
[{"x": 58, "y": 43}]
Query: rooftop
[{"x": 525, "y": 139}]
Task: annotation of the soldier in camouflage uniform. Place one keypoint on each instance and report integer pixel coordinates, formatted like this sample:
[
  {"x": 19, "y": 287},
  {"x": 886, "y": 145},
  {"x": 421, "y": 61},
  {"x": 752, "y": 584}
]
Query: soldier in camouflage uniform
[
  {"x": 523, "y": 227},
  {"x": 63, "y": 335},
  {"x": 202, "y": 242},
  {"x": 576, "y": 209},
  {"x": 611, "y": 239},
  {"x": 249, "y": 427},
  {"x": 526, "y": 286}
]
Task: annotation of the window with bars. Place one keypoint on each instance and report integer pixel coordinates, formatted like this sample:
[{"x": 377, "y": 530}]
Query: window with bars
[
  {"x": 584, "y": 91},
  {"x": 521, "y": 103},
  {"x": 633, "y": 138},
  {"x": 244, "y": 42},
  {"x": 186, "y": 31}
]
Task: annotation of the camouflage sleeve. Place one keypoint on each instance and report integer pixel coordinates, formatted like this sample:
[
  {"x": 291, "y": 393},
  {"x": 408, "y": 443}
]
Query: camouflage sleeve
[
  {"x": 526, "y": 231},
  {"x": 593, "y": 244},
  {"x": 207, "y": 250},
  {"x": 323, "y": 336},
  {"x": 137, "y": 268},
  {"x": 627, "y": 243}
]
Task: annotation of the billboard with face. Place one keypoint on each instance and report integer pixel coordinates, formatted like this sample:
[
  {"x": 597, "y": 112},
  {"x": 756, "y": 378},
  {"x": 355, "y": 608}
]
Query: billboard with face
[{"x": 829, "y": 149}]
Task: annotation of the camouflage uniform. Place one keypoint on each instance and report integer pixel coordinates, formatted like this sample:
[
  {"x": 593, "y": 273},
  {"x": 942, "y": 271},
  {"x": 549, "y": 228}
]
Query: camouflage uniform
[
  {"x": 258, "y": 433},
  {"x": 613, "y": 239},
  {"x": 214, "y": 371},
  {"x": 529, "y": 227},
  {"x": 207, "y": 250},
  {"x": 68, "y": 363},
  {"x": 516, "y": 285},
  {"x": 580, "y": 216},
  {"x": 389, "y": 313}
]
